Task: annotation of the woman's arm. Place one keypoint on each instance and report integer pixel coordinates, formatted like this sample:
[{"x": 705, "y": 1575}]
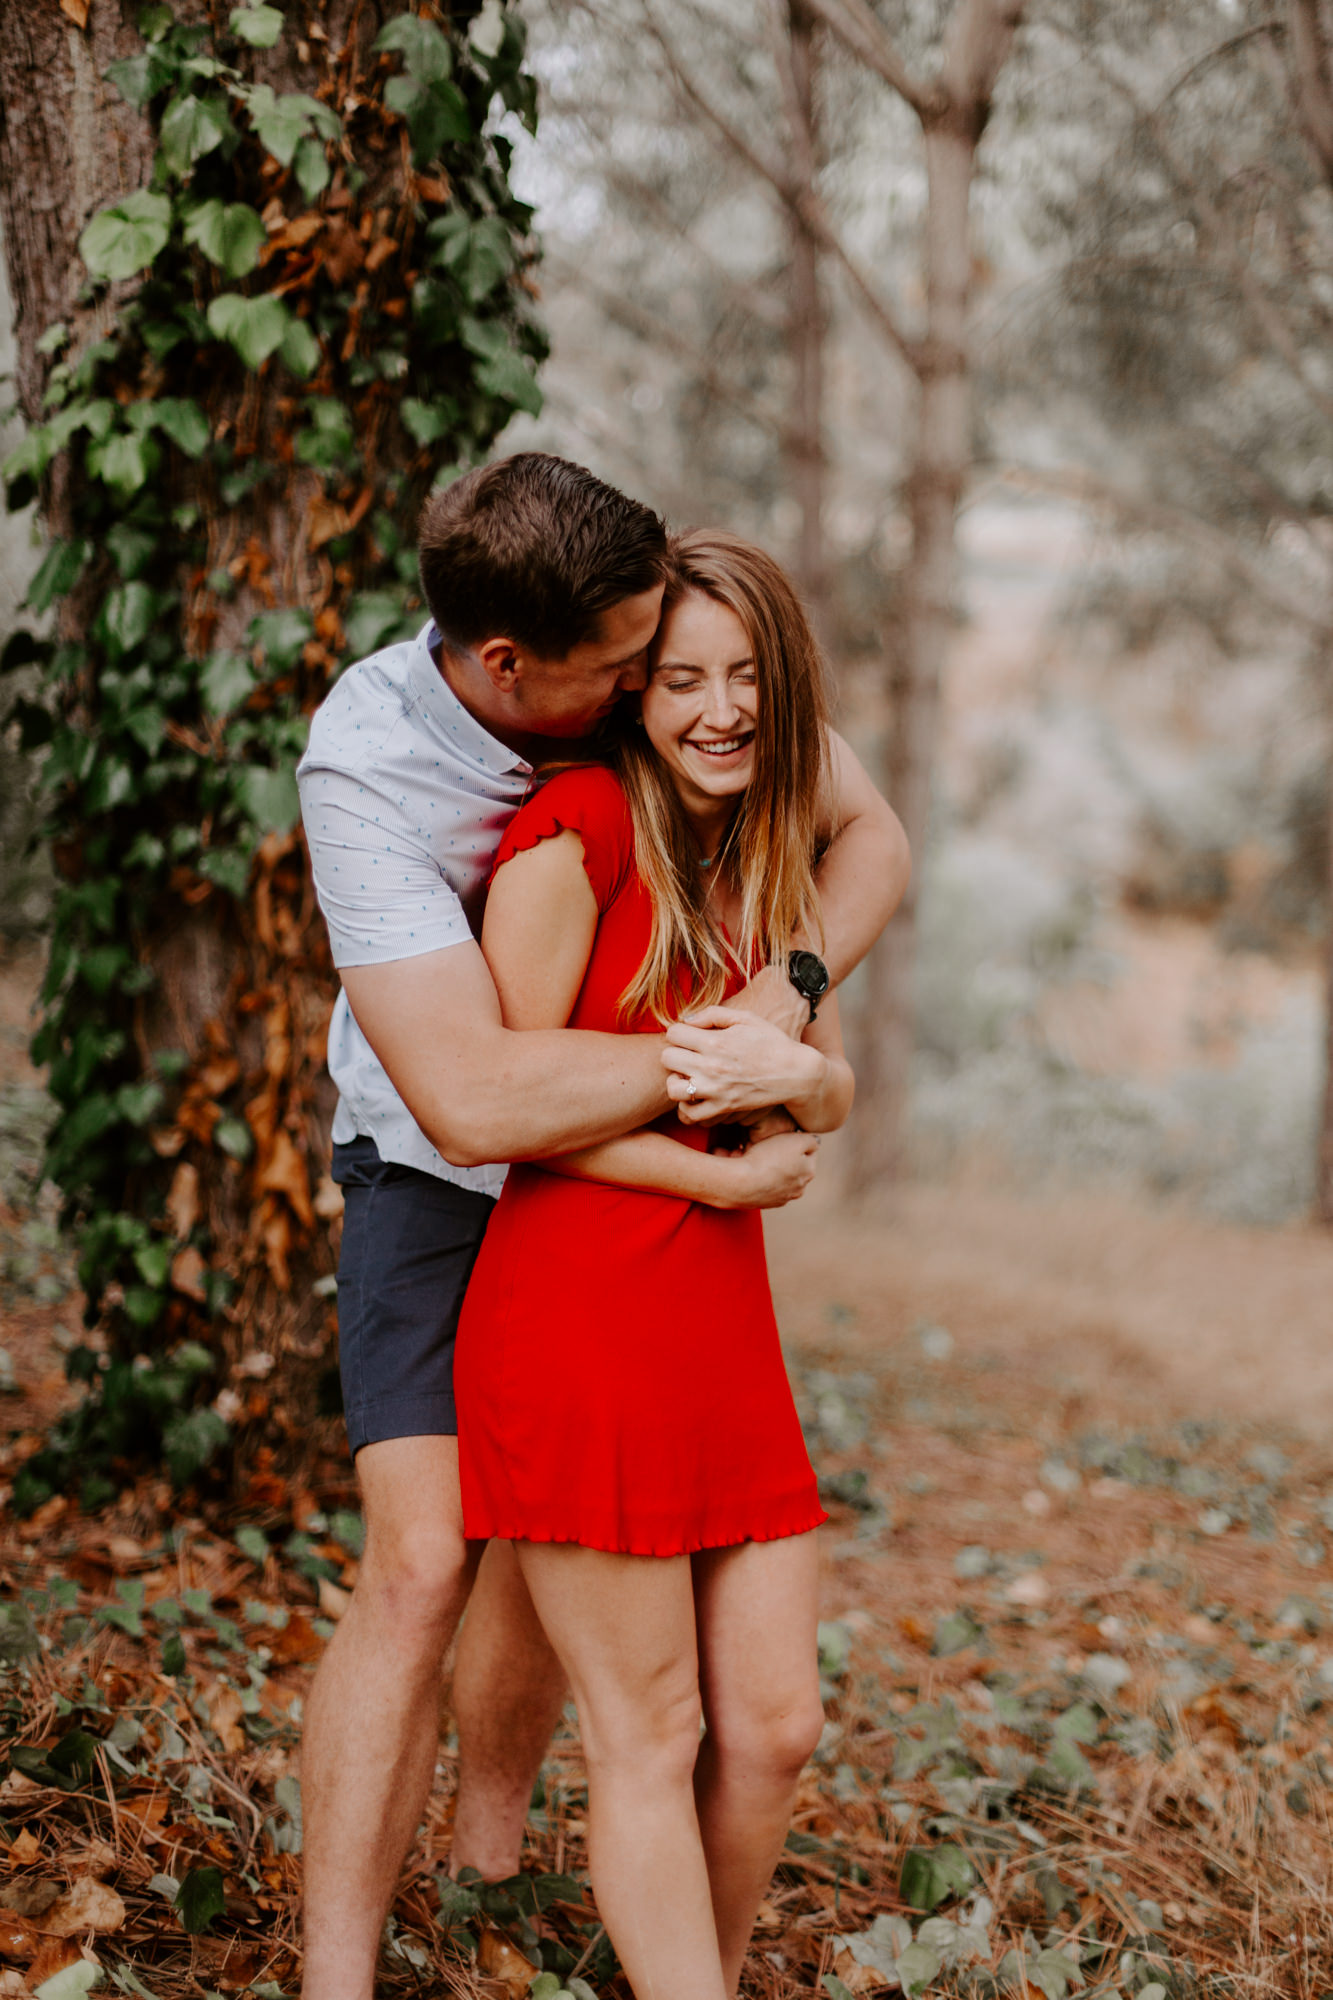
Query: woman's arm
[
  {"x": 827, "y": 1099},
  {"x": 767, "y": 1175},
  {"x": 541, "y": 918}
]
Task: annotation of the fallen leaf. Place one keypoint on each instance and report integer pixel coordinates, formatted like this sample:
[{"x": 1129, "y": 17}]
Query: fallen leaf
[
  {"x": 1030, "y": 1588},
  {"x": 98, "y": 1858},
  {"x": 498, "y": 1959},
  {"x": 432, "y": 187},
  {"x": 13, "y": 1985},
  {"x": 75, "y": 11},
  {"x": 297, "y": 1642},
  {"x": 188, "y": 1271},
  {"x": 87, "y": 1905},
  {"x": 858, "y": 1978},
  {"x": 19, "y": 1937},
  {"x": 29, "y": 1899},
  {"x": 224, "y": 1718},
  {"x": 182, "y": 1203},
  {"x": 328, "y": 1202},
  {"x": 25, "y": 1848},
  {"x": 333, "y": 1601},
  {"x": 53, "y": 1955}
]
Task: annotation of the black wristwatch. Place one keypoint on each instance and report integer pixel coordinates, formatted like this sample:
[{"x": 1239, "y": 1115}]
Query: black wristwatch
[{"x": 809, "y": 975}]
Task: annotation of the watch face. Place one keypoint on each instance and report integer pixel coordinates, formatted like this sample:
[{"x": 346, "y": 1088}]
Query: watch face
[{"x": 809, "y": 973}]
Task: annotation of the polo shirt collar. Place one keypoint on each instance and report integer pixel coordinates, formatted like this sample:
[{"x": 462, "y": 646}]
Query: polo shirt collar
[{"x": 462, "y": 727}]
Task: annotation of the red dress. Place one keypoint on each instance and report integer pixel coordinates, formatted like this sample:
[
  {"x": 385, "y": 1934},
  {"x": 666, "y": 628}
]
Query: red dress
[{"x": 619, "y": 1377}]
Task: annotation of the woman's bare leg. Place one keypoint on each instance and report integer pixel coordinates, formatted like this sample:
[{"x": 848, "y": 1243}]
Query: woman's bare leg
[
  {"x": 756, "y": 1609},
  {"x": 623, "y": 1627}
]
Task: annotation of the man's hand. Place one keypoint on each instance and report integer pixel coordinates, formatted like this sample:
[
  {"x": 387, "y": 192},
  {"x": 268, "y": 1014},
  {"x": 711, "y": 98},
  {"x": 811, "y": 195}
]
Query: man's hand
[
  {"x": 725, "y": 1064},
  {"x": 771, "y": 995}
]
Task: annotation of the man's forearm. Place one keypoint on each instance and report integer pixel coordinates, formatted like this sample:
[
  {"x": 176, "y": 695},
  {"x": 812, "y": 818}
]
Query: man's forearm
[
  {"x": 861, "y": 881},
  {"x": 534, "y": 1095}
]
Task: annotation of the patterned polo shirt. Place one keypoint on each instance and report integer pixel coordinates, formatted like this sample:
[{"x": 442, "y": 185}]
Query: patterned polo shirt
[{"x": 404, "y": 797}]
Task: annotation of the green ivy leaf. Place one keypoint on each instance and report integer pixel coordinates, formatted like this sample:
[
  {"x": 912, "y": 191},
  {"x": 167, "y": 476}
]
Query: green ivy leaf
[
  {"x": 127, "y": 615},
  {"x": 254, "y": 327},
  {"x": 153, "y": 1260},
  {"x": 425, "y": 52},
  {"x": 155, "y": 20},
  {"x": 230, "y": 869},
  {"x": 258, "y": 25},
  {"x": 191, "y": 127},
  {"x": 436, "y": 114},
  {"x": 280, "y": 635},
  {"x": 139, "y": 78},
  {"x": 124, "y": 461},
  {"x": 376, "y": 617},
  {"x": 282, "y": 122},
  {"x": 173, "y": 1654},
  {"x": 511, "y": 377},
  {"x": 224, "y": 682},
  {"x": 131, "y": 548},
  {"x": 311, "y": 167},
  {"x": 425, "y": 422},
  {"x": 183, "y": 421},
  {"x": 126, "y": 236},
  {"x": 230, "y": 234},
  {"x": 57, "y": 574},
  {"x": 189, "y": 1441},
  {"x": 268, "y": 798},
  {"x": 300, "y": 350}
]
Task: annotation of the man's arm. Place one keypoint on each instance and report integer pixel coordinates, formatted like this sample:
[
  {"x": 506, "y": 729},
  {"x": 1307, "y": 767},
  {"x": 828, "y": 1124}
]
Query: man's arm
[
  {"x": 481, "y": 1091},
  {"x": 861, "y": 881}
]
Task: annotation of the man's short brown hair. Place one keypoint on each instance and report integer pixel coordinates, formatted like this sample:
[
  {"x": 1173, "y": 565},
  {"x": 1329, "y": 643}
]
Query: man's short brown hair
[{"x": 533, "y": 548}]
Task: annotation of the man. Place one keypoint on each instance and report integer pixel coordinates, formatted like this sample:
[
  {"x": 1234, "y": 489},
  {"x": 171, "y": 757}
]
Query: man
[{"x": 544, "y": 587}]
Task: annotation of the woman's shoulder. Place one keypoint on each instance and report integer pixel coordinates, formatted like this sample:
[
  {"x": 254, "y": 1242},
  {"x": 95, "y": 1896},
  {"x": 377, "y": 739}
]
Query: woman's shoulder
[{"x": 590, "y": 801}]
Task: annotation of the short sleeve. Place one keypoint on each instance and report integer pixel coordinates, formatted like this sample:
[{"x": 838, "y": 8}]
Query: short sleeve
[
  {"x": 381, "y": 892},
  {"x": 591, "y": 803}
]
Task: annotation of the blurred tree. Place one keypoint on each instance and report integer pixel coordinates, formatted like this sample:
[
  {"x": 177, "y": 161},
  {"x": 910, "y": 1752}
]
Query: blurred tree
[
  {"x": 1196, "y": 297},
  {"x": 269, "y": 279},
  {"x": 756, "y": 85}
]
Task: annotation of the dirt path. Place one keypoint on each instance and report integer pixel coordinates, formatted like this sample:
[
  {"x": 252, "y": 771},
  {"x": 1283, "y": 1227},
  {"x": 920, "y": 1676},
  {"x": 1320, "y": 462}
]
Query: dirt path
[{"x": 1163, "y": 1314}]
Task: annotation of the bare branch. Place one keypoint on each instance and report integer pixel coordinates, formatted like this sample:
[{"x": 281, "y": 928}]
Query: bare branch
[
  {"x": 976, "y": 50},
  {"x": 1211, "y": 218},
  {"x": 803, "y": 201},
  {"x": 1311, "y": 86},
  {"x": 1088, "y": 490},
  {"x": 864, "y": 35}
]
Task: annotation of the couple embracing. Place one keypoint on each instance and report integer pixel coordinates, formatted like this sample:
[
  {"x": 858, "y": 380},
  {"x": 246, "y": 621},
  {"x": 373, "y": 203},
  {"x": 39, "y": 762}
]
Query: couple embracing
[{"x": 593, "y": 866}]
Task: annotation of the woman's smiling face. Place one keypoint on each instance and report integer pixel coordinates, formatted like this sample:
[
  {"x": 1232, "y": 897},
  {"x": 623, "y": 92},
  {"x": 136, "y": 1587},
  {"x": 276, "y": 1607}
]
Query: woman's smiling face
[{"x": 700, "y": 705}]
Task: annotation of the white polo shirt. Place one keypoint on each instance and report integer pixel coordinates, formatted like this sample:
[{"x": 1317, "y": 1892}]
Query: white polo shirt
[{"x": 404, "y": 797}]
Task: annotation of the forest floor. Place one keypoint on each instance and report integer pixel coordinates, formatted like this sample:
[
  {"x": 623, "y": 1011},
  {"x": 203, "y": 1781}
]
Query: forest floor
[{"x": 1077, "y": 1644}]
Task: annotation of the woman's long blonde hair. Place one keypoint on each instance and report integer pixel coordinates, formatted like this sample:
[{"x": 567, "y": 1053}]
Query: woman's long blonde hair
[{"x": 769, "y": 852}]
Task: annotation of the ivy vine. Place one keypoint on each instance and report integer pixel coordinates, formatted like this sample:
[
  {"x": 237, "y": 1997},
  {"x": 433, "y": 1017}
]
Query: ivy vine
[{"x": 322, "y": 304}]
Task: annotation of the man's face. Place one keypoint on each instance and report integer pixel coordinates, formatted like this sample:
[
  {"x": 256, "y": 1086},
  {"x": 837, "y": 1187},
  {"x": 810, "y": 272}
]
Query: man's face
[{"x": 570, "y": 695}]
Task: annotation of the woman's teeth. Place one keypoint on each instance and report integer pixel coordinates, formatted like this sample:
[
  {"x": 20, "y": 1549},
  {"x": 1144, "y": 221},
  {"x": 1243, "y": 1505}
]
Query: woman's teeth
[{"x": 727, "y": 748}]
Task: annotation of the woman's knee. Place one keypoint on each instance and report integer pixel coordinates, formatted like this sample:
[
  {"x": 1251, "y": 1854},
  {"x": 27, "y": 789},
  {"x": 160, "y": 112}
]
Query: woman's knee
[
  {"x": 656, "y": 1733},
  {"x": 775, "y": 1738}
]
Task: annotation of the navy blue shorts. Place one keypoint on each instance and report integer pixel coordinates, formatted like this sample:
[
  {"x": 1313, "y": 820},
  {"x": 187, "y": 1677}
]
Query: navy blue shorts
[{"x": 409, "y": 1243}]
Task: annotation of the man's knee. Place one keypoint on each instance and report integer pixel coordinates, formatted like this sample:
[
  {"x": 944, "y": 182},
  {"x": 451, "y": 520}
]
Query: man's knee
[{"x": 416, "y": 1577}]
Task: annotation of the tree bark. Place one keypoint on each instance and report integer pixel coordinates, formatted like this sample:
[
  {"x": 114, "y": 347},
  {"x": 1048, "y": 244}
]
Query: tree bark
[{"x": 1324, "y": 1156}]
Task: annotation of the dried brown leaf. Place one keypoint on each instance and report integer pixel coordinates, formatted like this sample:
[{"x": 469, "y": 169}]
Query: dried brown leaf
[{"x": 88, "y": 1905}]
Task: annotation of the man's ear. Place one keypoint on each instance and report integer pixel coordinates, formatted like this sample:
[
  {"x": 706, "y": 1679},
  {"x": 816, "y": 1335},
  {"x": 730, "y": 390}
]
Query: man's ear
[{"x": 501, "y": 661}]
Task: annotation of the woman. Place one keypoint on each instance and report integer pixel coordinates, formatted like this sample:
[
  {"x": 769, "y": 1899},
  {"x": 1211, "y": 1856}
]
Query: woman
[{"x": 625, "y": 1418}]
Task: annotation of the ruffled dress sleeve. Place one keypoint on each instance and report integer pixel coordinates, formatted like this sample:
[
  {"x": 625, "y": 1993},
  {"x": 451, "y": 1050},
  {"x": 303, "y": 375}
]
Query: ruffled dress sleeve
[{"x": 590, "y": 802}]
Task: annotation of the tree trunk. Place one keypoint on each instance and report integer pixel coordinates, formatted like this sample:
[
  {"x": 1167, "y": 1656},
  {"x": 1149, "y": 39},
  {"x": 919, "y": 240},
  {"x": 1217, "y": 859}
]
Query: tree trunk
[
  {"x": 1323, "y": 1173},
  {"x": 805, "y": 453},
  {"x": 242, "y": 988},
  {"x": 935, "y": 487}
]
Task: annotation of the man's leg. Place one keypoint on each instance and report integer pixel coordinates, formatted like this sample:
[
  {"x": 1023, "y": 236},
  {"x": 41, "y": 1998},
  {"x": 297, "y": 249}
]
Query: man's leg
[
  {"x": 509, "y": 1689},
  {"x": 372, "y": 1721}
]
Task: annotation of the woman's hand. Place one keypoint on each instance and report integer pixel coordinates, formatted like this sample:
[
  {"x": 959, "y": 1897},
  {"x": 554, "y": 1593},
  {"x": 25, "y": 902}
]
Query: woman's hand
[
  {"x": 726, "y": 1063},
  {"x": 770, "y": 1173}
]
